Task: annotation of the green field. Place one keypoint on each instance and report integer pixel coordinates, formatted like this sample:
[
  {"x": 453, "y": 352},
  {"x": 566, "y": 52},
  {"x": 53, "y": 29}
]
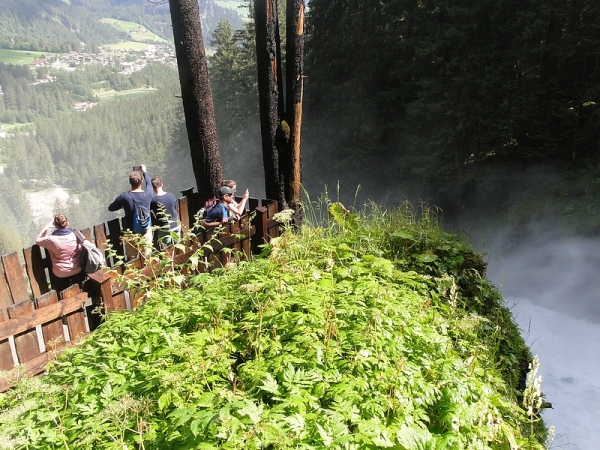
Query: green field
[
  {"x": 12, "y": 127},
  {"x": 137, "y": 32},
  {"x": 131, "y": 93},
  {"x": 128, "y": 45},
  {"x": 230, "y": 4},
  {"x": 18, "y": 56}
]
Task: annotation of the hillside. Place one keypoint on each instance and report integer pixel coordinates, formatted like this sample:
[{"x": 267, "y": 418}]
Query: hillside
[
  {"x": 376, "y": 330},
  {"x": 58, "y": 26}
]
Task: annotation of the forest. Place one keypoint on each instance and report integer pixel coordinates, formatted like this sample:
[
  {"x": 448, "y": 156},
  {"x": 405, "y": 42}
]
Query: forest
[{"x": 474, "y": 105}]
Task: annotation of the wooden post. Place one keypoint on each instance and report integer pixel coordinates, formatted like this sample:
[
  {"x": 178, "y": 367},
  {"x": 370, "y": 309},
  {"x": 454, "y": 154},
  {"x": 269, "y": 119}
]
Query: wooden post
[{"x": 260, "y": 222}]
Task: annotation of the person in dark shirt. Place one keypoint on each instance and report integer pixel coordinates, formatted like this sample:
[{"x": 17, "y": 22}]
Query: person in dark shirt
[
  {"x": 127, "y": 201},
  {"x": 219, "y": 214},
  {"x": 165, "y": 215},
  {"x": 236, "y": 210}
]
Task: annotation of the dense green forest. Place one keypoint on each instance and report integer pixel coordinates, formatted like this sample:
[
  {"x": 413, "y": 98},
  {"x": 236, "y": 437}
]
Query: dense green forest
[{"x": 459, "y": 102}]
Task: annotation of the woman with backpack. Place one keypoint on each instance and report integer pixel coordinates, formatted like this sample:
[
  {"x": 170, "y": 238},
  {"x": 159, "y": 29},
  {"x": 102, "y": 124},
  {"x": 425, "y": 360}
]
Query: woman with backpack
[{"x": 65, "y": 253}]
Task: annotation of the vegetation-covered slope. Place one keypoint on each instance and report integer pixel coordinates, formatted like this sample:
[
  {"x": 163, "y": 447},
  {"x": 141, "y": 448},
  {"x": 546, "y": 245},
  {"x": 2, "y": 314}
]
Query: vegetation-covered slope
[
  {"x": 63, "y": 26},
  {"x": 378, "y": 332}
]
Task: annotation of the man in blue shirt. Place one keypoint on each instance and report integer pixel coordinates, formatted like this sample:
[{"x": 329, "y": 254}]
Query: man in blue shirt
[
  {"x": 164, "y": 213},
  {"x": 129, "y": 201},
  {"x": 219, "y": 214}
]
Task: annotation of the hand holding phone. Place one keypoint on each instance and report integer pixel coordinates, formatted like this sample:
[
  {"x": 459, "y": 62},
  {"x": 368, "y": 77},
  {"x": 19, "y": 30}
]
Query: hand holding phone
[{"x": 137, "y": 168}]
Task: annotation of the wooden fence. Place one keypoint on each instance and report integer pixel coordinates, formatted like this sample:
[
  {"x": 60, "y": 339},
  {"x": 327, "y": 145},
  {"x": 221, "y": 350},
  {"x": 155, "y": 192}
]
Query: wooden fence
[{"x": 37, "y": 323}]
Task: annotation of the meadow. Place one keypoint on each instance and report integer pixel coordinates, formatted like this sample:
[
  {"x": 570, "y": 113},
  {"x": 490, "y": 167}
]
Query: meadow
[
  {"x": 129, "y": 93},
  {"x": 128, "y": 45},
  {"x": 9, "y": 56},
  {"x": 137, "y": 32}
]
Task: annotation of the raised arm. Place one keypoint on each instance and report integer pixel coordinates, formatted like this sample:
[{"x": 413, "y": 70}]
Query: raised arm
[
  {"x": 241, "y": 206},
  {"x": 44, "y": 231}
]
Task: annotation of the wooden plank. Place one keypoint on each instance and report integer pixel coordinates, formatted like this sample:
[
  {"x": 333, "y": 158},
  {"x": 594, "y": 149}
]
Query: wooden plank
[
  {"x": 29, "y": 320},
  {"x": 14, "y": 277},
  {"x": 102, "y": 284},
  {"x": 71, "y": 291},
  {"x": 26, "y": 342},
  {"x": 236, "y": 246},
  {"x": 116, "y": 303},
  {"x": 271, "y": 206},
  {"x": 245, "y": 227},
  {"x": 114, "y": 237},
  {"x": 6, "y": 358},
  {"x": 184, "y": 214},
  {"x": 136, "y": 297},
  {"x": 35, "y": 265},
  {"x": 5, "y": 296},
  {"x": 75, "y": 320},
  {"x": 87, "y": 233},
  {"x": 116, "y": 300},
  {"x": 253, "y": 203},
  {"x": 37, "y": 365},
  {"x": 100, "y": 237},
  {"x": 52, "y": 331}
]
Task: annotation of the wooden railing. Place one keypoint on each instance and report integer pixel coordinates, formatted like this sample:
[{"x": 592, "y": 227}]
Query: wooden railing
[{"x": 37, "y": 323}]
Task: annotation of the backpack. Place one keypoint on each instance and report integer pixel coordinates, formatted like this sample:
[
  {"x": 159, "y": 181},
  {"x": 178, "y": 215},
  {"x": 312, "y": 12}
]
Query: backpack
[
  {"x": 141, "y": 217},
  {"x": 92, "y": 258},
  {"x": 208, "y": 206}
]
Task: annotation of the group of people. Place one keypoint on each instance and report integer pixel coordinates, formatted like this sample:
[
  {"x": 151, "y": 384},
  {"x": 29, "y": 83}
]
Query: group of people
[{"x": 146, "y": 195}]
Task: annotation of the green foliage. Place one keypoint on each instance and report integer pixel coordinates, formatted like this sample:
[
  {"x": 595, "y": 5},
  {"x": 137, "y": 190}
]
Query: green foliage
[
  {"x": 439, "y": 96},
  {"x": 343, "y": 337}
]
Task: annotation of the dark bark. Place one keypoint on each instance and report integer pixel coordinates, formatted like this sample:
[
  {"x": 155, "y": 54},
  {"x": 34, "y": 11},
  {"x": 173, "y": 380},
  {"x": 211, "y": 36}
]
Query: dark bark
[
  {"x": 294, "y": 92},
  {"x": 270, "y": 92},
  {"x": 197, "y": 96}
]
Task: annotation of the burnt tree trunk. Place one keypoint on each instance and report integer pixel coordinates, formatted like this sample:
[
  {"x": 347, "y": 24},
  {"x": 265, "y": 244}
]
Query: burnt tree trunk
[
  {"x": 197, "y": 95},
  {"x": 294, "y": 91},
  {"x": 270, "y": 93}
]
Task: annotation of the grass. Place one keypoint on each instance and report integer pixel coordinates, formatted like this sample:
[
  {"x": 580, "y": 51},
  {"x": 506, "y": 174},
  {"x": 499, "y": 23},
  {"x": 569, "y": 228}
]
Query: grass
[
  {"x": 18, "y": 57},
  {"x": 128, "y": 45},
  {"x": 137, "y": 32},
  {"x": 8, "y": 127},
  {"x": 230, "y": 4},
  {"x": 130, "y": 93}
]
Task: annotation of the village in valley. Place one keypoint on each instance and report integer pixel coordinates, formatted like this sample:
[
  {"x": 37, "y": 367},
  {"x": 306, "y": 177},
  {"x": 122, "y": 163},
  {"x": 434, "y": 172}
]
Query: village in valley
[{"x": 128, "y": 60}]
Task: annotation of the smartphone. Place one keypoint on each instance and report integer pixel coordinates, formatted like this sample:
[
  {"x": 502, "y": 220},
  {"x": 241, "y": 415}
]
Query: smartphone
[{"x": 137, "y": 168}]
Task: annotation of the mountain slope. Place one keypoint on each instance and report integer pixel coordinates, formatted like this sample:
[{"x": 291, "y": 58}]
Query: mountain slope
[{"x": 58, "y": 26}]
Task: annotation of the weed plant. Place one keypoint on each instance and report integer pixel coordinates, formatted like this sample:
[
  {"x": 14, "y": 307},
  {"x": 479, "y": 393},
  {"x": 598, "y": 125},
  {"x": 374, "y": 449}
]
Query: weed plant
[{"x": 377, "y": 330}]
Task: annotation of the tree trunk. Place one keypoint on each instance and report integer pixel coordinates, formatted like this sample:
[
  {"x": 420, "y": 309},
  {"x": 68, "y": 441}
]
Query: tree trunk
[
  {"x": 270, "y": 93},
  {"x": 196, "y": 94},
  {"x": 294, "y": 93}
]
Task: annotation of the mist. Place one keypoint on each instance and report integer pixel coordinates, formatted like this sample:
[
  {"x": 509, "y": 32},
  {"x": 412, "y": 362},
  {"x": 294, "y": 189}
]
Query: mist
[{"x": 551, "y": 285}]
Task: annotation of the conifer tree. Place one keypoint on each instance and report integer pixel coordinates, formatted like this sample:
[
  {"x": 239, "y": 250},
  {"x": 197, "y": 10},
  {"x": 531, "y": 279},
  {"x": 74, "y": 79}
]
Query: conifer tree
[
  {"x": 196, "y": 94},
  {"x": 280, "y": 126}
]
